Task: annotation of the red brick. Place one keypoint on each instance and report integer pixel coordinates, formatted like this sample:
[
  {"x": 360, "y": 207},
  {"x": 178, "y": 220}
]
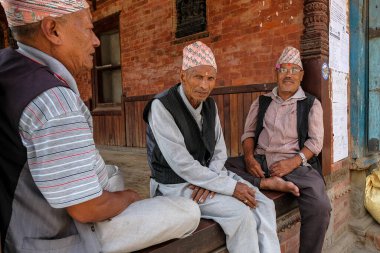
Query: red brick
[{"x": 240, "y": 44}]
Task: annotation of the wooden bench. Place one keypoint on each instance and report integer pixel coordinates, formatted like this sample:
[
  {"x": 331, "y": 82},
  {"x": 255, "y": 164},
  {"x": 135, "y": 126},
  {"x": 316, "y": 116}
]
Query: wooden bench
[{"x": 209, "y": 236}]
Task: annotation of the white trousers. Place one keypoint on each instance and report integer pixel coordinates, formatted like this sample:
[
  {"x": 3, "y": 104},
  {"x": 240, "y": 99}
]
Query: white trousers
[
  {"x": 147, "y": 222},
  {"x": 247, "y": 230}
]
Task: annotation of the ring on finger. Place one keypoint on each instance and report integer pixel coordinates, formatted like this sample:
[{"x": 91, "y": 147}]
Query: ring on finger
[{"x": 245, "y": 201}]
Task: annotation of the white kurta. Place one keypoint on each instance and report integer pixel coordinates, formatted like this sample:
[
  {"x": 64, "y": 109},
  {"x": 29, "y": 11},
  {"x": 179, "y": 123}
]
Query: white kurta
[{"x": 247, "y": 230}]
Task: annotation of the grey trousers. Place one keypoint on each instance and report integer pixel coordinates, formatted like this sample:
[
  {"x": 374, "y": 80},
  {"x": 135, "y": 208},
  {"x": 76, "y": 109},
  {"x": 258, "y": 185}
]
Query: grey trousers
[
  {"x": 315, "y": 208},
  {"x": 313, "y": 202},
  {"x": 247, "y": 230}
]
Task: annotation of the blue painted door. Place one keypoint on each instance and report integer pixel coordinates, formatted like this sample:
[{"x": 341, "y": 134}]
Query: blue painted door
[{"x": 374, "y": 75}]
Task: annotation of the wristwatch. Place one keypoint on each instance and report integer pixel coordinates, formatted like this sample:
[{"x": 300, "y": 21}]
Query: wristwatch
[{"x": 303, "y": 158}]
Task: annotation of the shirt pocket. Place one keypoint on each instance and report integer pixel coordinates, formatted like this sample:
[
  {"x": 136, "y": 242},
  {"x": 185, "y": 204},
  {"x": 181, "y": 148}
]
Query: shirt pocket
[
  {"x": 288, "y": 125},
  {"x": 50, "y": 245}
]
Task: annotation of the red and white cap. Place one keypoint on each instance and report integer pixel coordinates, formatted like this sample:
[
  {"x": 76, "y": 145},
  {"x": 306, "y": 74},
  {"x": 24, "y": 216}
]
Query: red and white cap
[
  {"x": 22, "y": 12},
  {"x": 290, "y": 55},
  {"x": 197, "y": 54}
]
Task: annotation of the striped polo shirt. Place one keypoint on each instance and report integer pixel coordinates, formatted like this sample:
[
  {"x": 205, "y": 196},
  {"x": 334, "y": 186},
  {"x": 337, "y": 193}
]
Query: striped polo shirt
[{"x": 56, "y": 129}]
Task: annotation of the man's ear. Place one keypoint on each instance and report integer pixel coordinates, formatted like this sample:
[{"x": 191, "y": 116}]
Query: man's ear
[
  {"x": 50, "y": 30},
  {"x": 182, "y": 76}
]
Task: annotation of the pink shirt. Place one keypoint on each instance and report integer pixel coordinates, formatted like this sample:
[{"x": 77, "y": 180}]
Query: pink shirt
[{"x": 279, "y": 138}]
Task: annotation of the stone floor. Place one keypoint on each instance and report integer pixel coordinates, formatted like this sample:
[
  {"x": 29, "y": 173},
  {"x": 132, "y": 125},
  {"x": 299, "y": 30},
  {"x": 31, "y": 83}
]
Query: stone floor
[{"x": 133, "y": 163}]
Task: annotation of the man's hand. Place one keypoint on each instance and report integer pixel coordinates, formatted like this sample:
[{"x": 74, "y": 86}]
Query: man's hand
[
  {"x": 284, "y": 167},
  {"x": 132, "y": 196},
  {"x": 245, "y": 194},
  {"x": 104, "y": 207},
  {"x": 200, "y": 195},
  {"x": 253, "y": 167}
]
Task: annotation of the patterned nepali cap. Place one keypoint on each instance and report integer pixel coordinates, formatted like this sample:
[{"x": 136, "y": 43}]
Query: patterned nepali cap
[
  {"x": 197, "y": 54},
  {"x": 290, "y": 55},
  {"x": 22, "y": 12}
]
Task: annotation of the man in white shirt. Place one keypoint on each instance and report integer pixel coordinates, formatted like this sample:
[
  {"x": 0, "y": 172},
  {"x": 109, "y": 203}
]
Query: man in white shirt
[{"x": 187, "y": 152}]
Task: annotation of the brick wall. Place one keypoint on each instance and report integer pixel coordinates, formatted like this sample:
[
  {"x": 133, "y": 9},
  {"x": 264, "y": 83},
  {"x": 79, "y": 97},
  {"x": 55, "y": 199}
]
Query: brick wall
[{"x": 246, "y": 37}]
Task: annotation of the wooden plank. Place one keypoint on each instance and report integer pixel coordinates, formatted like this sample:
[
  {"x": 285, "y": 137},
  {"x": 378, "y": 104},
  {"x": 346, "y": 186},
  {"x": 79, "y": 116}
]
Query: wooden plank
[
  {"x": 136, "y": 125},
  {"x": 247, "y": 101},
  {"x": 143, "y": 125},
  {"x": 132, "y": 124},
  {"x": 128, "y": 126},
  {"x": 227, "y": 123},
  {"x": 243, "y": 88},
  {"x": 134, "y": 133},
  {"x": 122, "y": 121},
  {"x": 107, "y": 111},
  {"x": 217, "y": 91},
  {"x": 219, "y": 104},
  {"x": 139, "y": 98},
  {"x": 207, "y": 237},
  {"x": 240, "y": 121},
  {"x": 117, "y": 121},
  {"x": 107, "y": 121},
  {"x": 140, "y": 124},
  {"x": 234, "y": 124}
]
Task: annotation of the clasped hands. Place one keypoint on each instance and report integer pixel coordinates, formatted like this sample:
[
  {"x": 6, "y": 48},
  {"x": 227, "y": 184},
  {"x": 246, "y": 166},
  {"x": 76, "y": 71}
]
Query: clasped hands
[
  {"x": 242, "y": 192},
  {"x": 277, "y": 169}
]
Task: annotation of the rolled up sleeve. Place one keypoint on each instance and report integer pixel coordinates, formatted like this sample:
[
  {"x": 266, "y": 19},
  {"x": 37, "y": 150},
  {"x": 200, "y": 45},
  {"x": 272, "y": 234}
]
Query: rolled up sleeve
[
  {"x": 251, "y": 121},
  {"x": 316, "y": 131}
]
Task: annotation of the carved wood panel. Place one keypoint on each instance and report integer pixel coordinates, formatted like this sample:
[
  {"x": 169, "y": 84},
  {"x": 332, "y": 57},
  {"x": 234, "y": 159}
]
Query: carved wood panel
[
  {"x": 315, "y": 39},
  {"x": 191, "y": 17}
]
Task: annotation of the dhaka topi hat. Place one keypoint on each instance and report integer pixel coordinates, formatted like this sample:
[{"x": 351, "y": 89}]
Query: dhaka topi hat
[
  {"x": 290, "y": 55},
  {"x": 22, "y": 12},
  {"x": 197, "y": 54}
]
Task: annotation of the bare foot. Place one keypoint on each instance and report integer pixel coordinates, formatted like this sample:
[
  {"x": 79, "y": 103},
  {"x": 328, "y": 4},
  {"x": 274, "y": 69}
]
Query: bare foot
[{"x": 279, "y": 184}]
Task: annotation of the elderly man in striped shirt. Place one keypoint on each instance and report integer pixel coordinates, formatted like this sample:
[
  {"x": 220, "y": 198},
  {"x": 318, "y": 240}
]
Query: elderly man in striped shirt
[{"x": 56, "y": 194}]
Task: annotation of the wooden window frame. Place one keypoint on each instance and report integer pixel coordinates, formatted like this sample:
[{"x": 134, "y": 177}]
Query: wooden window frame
[
  {"x": 192, "y": 28},
  {"x": 106, "y": 24}
]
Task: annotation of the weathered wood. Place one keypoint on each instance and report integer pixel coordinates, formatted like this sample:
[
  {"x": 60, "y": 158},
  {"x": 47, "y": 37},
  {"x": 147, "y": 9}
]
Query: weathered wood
[
  {"x": 241, "y": 120},
  {"x": 227, "y": 124},
  {"x": 128, "y": 123},
  {"x": 217, "y": 91},
  {"x": 209, "y": 236},
  {"x": 234, "y": 125},
  {"x": 109, "y": 130},
  {"x": 233, "y": 105},
  {"x": 219, "y": 104},
  {"x": 243, "y": 88}
]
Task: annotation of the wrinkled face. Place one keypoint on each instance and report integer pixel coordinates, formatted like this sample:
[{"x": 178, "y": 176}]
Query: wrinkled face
[
  {"x": 289, "y": 77},
  {"x": 198, "y": 82},
  {"x": 78, "y": 42}
]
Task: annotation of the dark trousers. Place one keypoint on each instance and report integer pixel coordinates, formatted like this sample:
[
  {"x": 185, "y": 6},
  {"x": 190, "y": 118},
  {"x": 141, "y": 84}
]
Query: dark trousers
[{"x": 313, "y": 201}]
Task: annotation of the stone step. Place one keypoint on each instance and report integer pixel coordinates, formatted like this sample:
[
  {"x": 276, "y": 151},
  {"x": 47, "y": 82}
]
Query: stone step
[{"x": 372, "y": 238}]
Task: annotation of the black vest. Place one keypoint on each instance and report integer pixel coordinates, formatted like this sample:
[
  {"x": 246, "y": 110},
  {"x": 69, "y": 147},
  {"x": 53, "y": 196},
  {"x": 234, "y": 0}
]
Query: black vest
[
  {"x": 21, "y": 80},
  {"x": 200, "y": 145},
  {"x": 303, "y": 109}
]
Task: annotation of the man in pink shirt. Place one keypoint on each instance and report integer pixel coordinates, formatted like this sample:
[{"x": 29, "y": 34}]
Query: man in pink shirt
[{"x": 282, "y": 137}]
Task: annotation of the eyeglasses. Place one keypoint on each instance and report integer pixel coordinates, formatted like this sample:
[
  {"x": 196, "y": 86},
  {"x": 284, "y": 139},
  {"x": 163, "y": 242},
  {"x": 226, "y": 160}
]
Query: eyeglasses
[{"x": 292, "y": 70}]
